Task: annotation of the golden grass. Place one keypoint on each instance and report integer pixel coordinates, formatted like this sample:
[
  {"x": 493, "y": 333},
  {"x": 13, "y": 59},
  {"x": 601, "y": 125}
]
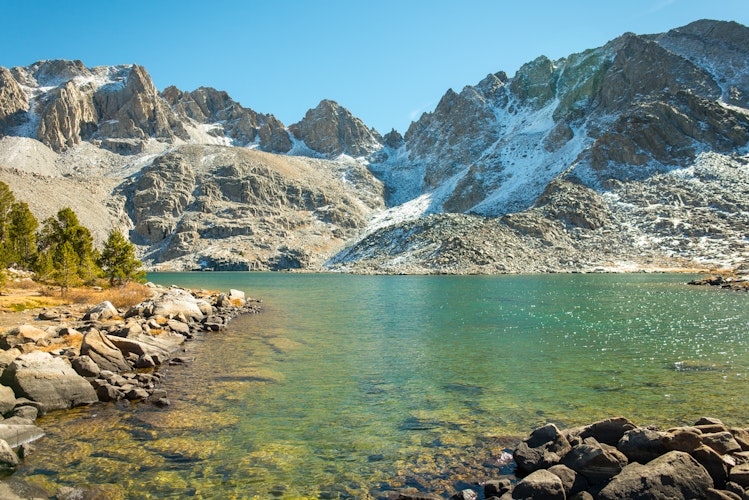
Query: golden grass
[{"x": 127, "y": 295}]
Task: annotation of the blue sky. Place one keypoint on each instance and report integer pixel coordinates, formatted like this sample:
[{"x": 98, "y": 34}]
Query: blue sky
[{"x": 386, "y": 61}]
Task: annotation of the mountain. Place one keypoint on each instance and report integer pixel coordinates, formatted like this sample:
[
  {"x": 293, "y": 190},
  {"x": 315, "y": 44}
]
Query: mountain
[{"x": 630, "y": 155}]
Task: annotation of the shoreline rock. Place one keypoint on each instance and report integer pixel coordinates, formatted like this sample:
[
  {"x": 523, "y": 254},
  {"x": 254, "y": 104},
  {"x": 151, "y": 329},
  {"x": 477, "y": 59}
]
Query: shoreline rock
[
  {"x": 103, "y": 355},
  {"x": 726, "y": 281},
  {"x": 615, "y": 458}
]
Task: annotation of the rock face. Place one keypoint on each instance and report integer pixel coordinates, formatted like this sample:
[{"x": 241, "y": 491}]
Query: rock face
[
  {"x": 332, "y": 130},
  {"x": 631, "y": 154},
  {"x": 50, "y": 381}
]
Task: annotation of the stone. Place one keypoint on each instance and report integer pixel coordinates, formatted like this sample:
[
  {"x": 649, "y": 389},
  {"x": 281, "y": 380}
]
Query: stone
[
  {"x": 673, "y": 475},
  {"x": 741, "y": 436},
  {"x": 136, "y": 393},
  {"x": 7, "y": 357},
  {"x": 48, "y": 380},
  {"x": 722, "y": 442},
  {"x": 8, "y": 457},
  {"x": 16, "y": 435},
  {"x": 176, "y": 301},
  {"x": 13, "y": 100},
  {"x": 108, "y": 392},
  {"x": 713, "y": 463},
  {"x": 161, "y": 346},
  {"x": 465, "y": 495},
  {"x": 85, "y": 366},
  {"x": 178, "y": 327},
  {"x": 497, "y": 487},
  {"x": 642, "y": 445},
  {"x": 682, "y": 439},
  {"x": 572, "y": 481},
  {"x": 26, "y": 412},
  {"x": 543, "y": 448},
  {"x": 21, "y": 335},
  {"x": 598, "y": 462},
  {"x": 608, "y": 431},
  {"x": 539, "y": 484},
  {"x": 145, "y": 361},
  {"x": 740, "y": 475},
  {"x": 7, "y": 399},
  {"x": 103, "y": 352},
  {"x": 101, "y": 312}
]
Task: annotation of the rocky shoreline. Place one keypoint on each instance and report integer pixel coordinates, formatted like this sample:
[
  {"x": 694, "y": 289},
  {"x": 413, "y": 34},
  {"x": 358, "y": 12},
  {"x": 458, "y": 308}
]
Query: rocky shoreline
[
  {"x": 104, "y": 355},
  {"x": 615, "y": 459},
  {"x": 729, "y": 282}
]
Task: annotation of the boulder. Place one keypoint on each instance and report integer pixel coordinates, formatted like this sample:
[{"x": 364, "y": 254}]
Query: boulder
[
  {"x": 7, "y": 357},
  {"x": 722, "y": 442},
  {"x": 543, "y": 448},
  {"x": 673, "y": 475},
  {"x": 465, "y": 495},
  {"x": 540, "y": 484},
  {"x": 16, "y": 435},
  {"x": 103, "y": 352},
  {"x": 608, "y": 431},
  {"x": 85, "y": 366},
  {"x": 642, "y": 445},
  {"x": 8, "y": 457},
  {"x": 740, "y": 475},
  {"x": 497, "y": 487},
  {"x": 713, "y": 463},
  {"x": 161, "y": 346},
  {"x": 598, "y": 462},
  {"x": 100, "y": 312},
  {"x": 21, "y": 334},
  {"x": 682, "y": 439},
  {"x": 572, "y": 481},
  {"x": 177, "y": 301},
  {"x": 7, "y": 400},
  {"x": 48, "y": 380}
]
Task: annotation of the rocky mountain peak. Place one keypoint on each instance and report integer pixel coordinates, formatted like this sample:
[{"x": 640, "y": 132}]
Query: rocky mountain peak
[
  {"x": 332, "y": 130},
  {"x": 13, "y": 100}
]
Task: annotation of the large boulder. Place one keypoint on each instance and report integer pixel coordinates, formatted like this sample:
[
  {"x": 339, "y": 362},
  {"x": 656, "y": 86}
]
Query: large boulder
[
  {"x": 598, "y": 462},
  {"x": 162, "y": 346},
  {"x": 540, "y": 484},
  {"x": 177, "y": 301},
  {"x": 21, "y": 334},
  {"x": 674, "y": 475},
  {"x": 545, "y": 447},
  {"x": 7, "y": 400},
  {"x": 103, "y": 352},
  {"x": 642, "y": 445},
  {"x": 48, "y": 380},
  {"x": 100, "y": 312}
]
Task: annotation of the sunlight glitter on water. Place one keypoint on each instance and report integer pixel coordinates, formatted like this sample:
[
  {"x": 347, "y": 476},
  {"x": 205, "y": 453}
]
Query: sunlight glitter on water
[{"x": 348, "y": 385}]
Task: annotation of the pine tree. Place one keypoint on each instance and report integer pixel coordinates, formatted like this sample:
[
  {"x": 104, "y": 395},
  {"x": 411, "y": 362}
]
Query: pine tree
[
  {"x": 118, "y": 260},
  {"x": 65, "y": 228},
  {"x": 22, "y": 235},
  {"x": 66, "y": 267}
]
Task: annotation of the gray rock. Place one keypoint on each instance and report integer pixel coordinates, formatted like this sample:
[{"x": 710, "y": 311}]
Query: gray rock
[
  {"x": 497, "y": 487},
  {"x": 682, "y": 439},
  {"x": 740, "y": 475},
  {"x": 85, "y": 366},
  {"x": 714, "y": 464},
  {"x": 16, "y": 435},
  {"x": 642, "y": 445},
  {"x": 48, "y": 380},
  {"x": 7, "y": 399},
  {"x": 674, "y": 475},
  {"x": 8, "y": 457},
  {"x": 608, "y": 431},
  {"x": 722, "y": 442},
  {"x": 100, "y": 312},
  {"x": 545, "y": 447},
  {"x": 598, "y": 462},
  {"x": 103, "y": 352},
  {"x": 572, "y": 481},
  {"x": 20, "y": 335},
  {"x": 465, "y": 495},
  {"x": 161, "y": 346},
  {"x": 539, "y": 484},
  {"x": 177, "y": 301}
]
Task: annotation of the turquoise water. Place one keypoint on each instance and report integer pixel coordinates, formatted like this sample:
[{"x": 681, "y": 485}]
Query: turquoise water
[{"x": 348, "y": 386}]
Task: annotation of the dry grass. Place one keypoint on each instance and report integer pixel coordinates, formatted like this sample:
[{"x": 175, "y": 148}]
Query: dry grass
[{"x": 121, "y": 297}]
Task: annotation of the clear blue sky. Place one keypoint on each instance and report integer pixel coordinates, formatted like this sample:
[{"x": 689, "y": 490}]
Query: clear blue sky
[{"x": 387, "y": 61}]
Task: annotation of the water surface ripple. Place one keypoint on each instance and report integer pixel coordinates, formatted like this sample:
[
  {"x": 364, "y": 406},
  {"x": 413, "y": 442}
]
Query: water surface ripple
[{"x": 346, "y": 386}]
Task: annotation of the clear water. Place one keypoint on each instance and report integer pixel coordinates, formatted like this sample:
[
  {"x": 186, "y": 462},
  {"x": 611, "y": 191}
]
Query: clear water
[{"x": 347, "y": 386}]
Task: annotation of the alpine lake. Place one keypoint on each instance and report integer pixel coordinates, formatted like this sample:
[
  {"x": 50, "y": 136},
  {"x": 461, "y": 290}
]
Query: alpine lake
[{"x": 352, "y": 386}]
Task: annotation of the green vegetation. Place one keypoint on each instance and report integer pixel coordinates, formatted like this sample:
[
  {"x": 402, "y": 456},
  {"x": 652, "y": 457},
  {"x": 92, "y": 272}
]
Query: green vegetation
[{"x": 62, "y": 252}]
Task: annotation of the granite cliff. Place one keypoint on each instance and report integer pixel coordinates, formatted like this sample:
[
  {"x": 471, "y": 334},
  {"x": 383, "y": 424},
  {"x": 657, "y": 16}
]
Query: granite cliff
[{"x": 630, "y": 155}]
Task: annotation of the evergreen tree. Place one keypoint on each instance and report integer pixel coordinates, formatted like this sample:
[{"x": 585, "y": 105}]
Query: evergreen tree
[
  {"x": 66, "y": 267},
  {"x": 65, "y": 228},
  {"x": 22, "y": 235},
  {"x": 6, "y": 203},
  {"x": 118, "y": 260}
]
